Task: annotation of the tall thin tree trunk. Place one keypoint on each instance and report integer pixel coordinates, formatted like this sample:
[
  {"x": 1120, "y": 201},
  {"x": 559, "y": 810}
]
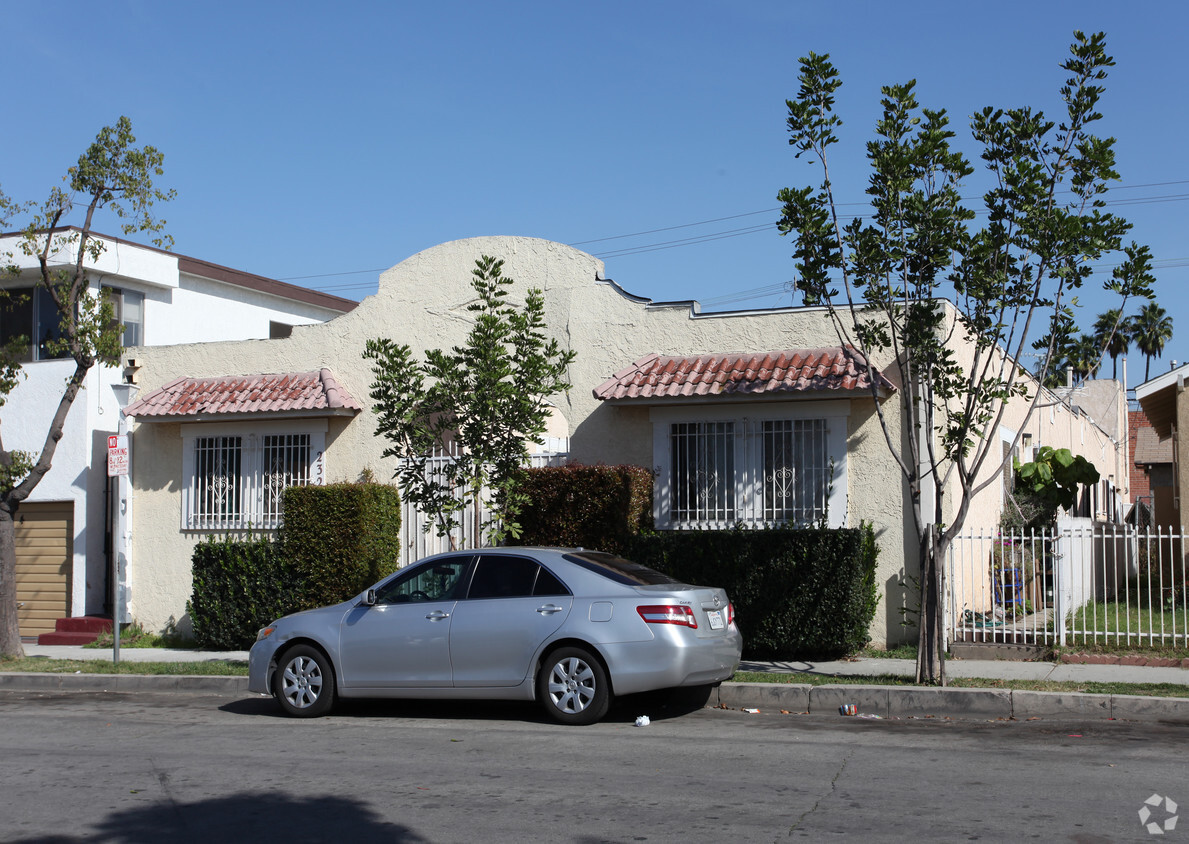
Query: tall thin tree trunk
[
  {"x": 10, "y": 635},
  {"x": 931, "y": 644}
]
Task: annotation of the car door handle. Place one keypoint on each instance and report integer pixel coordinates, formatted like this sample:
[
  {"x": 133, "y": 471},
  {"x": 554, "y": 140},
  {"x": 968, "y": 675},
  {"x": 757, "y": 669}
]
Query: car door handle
[
  {"x": 548, "y": 609},
  {"x": 437, "y": 615}
]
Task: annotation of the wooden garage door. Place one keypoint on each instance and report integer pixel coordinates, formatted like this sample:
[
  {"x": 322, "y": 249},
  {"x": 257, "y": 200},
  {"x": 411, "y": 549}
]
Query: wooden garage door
[{"x": 43, "y": 538}]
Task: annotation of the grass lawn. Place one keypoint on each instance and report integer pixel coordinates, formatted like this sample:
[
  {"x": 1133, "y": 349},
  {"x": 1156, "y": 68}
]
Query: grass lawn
[
  {"x": 1138, "y": 621},
  {"x": 212, "y": 668}
]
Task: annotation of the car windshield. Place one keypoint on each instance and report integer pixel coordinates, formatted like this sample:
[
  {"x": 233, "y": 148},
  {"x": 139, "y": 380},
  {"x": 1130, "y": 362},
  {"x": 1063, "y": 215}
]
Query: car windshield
[{"x": 618, "y": 569}]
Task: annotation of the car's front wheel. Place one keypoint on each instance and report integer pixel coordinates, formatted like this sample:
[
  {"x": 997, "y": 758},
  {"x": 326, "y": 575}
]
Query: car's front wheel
[
  {"x": 304, "y": 682},
  {"x": 573, "y": 687}
]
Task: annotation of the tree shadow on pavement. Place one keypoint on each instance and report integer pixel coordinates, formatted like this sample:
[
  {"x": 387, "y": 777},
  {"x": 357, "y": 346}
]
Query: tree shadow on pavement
[{"x": 247, "y": 817}]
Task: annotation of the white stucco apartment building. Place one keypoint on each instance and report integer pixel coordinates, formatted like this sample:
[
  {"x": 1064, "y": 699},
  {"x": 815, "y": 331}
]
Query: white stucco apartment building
[{"x": 63, "y": 529}]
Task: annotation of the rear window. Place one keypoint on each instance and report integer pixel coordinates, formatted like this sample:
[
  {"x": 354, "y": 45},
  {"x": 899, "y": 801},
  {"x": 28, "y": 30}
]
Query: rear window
[{"x": 620, "y": 570}]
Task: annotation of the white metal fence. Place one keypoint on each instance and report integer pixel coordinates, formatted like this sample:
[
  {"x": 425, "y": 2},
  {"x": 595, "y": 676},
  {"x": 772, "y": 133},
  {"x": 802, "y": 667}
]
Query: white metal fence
[
  {"x": 1084, "y": 583},
  {"x": 416, "y": 542}
]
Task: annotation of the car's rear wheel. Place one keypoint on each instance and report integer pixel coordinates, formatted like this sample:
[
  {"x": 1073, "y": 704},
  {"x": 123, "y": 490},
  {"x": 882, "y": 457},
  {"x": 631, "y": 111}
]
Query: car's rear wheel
[
  {"x": 573, "y": 686},
  {"x": 304, "y": 682}
]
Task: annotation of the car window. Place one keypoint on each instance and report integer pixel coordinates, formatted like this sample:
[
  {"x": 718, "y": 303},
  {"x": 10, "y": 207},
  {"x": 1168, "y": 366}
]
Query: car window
[
  {"x": 435, "y": 581},
  {"x": 618, "y": 569},
  {"x": 500, "y": 576},
  {"x": 548, "y": 584}
]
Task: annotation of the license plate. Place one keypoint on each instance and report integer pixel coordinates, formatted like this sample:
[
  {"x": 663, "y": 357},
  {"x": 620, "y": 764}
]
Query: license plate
[{"x": 715, "y": 617}]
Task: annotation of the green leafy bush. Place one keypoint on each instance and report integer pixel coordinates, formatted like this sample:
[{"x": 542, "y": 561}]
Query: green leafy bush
[
  {"x": 340, "y": 538},
  {"x": 598, "y": 507},
  {"x": 798, "y": 592},
  {"x": 336, "y": 541},
  {"x": 240, "y": 585}
]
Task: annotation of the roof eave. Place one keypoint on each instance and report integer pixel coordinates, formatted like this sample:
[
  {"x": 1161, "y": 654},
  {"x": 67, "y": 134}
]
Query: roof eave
[
  {"x": 741, "y": 397},
  {"x": 319, "y": 413}
]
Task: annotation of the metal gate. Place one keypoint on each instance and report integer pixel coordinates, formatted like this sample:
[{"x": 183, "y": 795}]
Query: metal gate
[{"x": 417, "y": 543}]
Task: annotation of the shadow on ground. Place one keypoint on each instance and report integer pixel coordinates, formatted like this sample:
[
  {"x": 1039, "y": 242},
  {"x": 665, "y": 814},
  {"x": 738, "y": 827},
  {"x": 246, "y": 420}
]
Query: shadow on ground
[
  {"x": 248, "y": 817},
  {"x": 658, "y": 706}
]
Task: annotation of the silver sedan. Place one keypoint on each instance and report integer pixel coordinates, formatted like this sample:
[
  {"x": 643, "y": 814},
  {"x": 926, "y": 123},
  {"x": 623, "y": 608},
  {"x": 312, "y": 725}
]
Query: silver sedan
[{"x": 568, "y": 628}]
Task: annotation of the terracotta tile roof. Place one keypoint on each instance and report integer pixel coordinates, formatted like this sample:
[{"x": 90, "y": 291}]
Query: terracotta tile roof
[
  {"x": 230, "y": 394},
  {"x": 741, "y": 373}
]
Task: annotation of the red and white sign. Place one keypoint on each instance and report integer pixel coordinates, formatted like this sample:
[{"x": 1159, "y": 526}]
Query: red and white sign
[{"x": 117, "y": 455}]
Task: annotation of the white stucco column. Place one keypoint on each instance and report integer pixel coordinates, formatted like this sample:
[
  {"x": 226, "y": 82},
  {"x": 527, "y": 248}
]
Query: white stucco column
[{"x": 123, "y": 527}]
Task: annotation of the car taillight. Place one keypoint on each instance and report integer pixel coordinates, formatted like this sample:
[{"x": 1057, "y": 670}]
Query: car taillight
[
  {"x": 730, "y": 613},
  {"x": 681, "y": 615}
]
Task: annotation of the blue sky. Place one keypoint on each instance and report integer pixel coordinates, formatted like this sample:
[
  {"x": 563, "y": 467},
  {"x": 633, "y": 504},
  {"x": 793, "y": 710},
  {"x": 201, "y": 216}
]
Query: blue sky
[{"x": 321, "y": 144}]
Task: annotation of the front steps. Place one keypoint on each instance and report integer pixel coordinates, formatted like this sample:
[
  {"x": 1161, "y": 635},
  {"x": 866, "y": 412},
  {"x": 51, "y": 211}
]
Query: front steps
[{"x": 81, "y": 630}]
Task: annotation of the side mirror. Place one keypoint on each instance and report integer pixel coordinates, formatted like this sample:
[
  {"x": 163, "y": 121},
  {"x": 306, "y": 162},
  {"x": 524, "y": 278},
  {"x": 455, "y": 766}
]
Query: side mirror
[{"x": 369, "y": 598}]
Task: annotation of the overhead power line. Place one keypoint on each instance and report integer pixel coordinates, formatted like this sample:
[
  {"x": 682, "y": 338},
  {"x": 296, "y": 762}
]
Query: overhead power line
[{"x": 709, "y": 237}]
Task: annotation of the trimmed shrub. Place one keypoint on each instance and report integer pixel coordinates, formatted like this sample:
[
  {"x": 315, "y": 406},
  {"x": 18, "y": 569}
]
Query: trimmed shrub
[
  {"x": 340, "y": 538},
  {"x": 597, "y": 507},
  {"x": 240, "y": 585},
  {"x": 798, "y": 592}
]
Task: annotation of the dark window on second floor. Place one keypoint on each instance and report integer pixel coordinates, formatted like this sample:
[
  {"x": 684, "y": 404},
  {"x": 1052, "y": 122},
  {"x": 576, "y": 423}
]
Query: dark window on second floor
[{"x": 30, "y": 312}]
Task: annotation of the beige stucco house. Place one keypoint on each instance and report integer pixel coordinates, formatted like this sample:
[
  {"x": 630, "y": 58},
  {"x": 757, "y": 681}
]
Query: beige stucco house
[{"x": 753, "y": 416}]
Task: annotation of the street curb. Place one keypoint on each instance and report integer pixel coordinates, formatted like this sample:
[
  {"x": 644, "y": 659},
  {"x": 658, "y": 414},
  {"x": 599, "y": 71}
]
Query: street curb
[
  {"x": 956, "y": 704},
  {"x": 904, "y": 702}
]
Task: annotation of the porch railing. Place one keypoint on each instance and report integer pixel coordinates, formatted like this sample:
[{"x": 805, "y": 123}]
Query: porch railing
[{"x": 1086, "y": 583}]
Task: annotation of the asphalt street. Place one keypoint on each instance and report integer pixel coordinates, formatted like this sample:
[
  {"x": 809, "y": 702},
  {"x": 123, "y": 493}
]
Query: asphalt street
[{"x": 173, "y": 767}]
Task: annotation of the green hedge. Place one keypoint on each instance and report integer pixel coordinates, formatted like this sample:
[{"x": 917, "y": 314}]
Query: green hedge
[
  {"x": 240, "y": 585},
  {"x": 340, "y": 538},
  {"x": 335, "y": 542},
  {"x": 798, "y": 592},
  {"x": 599, "y": 507}
]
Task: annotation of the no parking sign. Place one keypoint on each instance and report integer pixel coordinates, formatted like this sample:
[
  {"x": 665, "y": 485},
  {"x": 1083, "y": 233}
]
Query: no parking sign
[{"x": 117, "y": 455}]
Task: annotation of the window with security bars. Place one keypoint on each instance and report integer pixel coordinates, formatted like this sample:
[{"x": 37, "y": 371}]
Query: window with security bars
[
  {"x": 237, "y": 482},
  {"x": 755, "y": 472},
  {"x": 796, "y": 471},
  {"x": 703, "y": 471},
  {"x": 217, "y": 496},
  {"x": 286, "y": 464}
]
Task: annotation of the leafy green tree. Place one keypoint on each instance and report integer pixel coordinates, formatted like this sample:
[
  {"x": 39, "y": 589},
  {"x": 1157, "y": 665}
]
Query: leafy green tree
[
  {"x": 880, "y": 278},
  {"x": 1054, "y": 478},
  {"x": 1151, "y": 329},
  {"x": 477, "y": 406},
  {"x": 112, "y": 175}
]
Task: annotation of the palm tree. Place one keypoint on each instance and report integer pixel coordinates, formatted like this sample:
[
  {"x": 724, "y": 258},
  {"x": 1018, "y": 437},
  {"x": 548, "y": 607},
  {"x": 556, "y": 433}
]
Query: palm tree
[
  {"x": 1084, "y": 355},
  {"x": 1150, "y": 331},
  {"x": 1112, "y": 334}
]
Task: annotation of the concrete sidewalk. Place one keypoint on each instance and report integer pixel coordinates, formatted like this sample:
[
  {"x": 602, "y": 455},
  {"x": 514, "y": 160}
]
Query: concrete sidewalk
[{"x": 872, "y": 701}]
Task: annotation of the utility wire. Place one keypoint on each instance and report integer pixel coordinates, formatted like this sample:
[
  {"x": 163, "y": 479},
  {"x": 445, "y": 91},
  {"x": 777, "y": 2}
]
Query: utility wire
[{"x": 710, "y": 237}]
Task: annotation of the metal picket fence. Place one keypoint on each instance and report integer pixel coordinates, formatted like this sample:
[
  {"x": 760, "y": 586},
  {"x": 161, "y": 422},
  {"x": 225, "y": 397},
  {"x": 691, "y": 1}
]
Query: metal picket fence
[
  {"x": 1086, "y": 583},
  {"x": 417, "y": 542}
]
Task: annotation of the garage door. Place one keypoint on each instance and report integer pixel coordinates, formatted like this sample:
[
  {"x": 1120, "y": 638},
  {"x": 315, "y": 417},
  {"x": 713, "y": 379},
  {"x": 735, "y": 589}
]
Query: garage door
[{"x": 44, "y": 551}]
